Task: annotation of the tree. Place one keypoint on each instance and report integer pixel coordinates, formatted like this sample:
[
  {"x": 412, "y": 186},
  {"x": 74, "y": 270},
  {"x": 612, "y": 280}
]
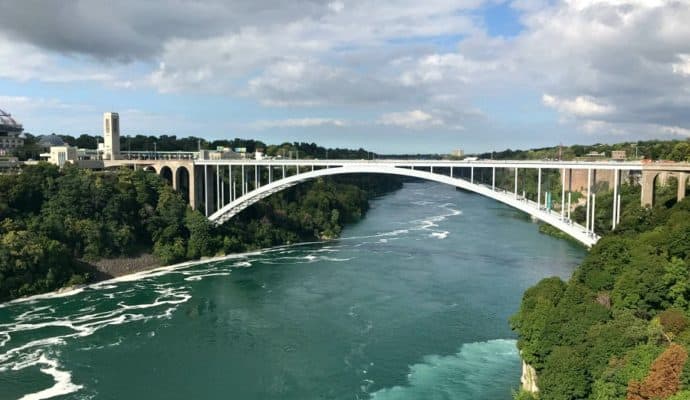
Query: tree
[
  {"x": 664, "y": 376},
  {"x": 564, "y": 376}
]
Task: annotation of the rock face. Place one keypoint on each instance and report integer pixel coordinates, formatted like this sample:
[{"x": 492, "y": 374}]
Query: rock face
[{"x": 529, "y": 378}]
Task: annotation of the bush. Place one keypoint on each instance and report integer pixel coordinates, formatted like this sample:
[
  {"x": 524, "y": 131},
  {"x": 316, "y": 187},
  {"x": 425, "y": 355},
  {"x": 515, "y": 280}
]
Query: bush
[{"x": 673, "y": 321}]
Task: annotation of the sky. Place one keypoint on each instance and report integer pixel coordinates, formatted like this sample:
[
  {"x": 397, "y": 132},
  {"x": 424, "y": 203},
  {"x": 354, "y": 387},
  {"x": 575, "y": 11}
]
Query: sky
[{"x": 404, "y": 76}]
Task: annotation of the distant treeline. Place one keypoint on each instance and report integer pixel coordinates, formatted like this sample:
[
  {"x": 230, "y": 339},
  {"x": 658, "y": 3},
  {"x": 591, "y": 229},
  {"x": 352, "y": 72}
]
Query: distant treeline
[
  {"x": 672, "y": 150},
  {"x": 192, "y": 143},
  {"x": 53, "y": 222}
]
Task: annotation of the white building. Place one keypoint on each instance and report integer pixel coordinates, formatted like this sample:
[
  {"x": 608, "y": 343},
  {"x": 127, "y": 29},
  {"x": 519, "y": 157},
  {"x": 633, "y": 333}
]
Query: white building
[
  {"x": 61, "y": 155},
  {"x": 457, "y": 153},
  {"x": 111, "y": 136}
]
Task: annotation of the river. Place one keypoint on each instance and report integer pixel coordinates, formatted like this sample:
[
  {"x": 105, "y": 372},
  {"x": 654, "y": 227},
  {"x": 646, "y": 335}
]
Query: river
[{"x": 411, "y": 303}]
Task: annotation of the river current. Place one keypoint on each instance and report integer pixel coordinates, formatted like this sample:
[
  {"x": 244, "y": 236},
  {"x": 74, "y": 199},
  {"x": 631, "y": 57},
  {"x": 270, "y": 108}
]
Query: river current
[{"x": 411, "y": 303}]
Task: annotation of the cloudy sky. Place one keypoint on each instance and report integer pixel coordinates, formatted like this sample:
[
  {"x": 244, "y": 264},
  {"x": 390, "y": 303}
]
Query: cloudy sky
[{"x": 391, "y": 76}]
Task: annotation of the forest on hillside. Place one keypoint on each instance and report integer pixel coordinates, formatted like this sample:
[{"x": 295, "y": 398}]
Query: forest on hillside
[
  {"x": 54, "y": 222},
  {"x": 620, "y": 327}
]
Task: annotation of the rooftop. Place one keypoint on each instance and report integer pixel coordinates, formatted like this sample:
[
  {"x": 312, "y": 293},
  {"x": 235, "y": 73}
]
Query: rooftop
[{"x": 9, "y": 124}]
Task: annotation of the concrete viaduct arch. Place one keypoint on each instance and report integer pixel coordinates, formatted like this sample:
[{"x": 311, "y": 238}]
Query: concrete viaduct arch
[{"x": 651, "y": 177}]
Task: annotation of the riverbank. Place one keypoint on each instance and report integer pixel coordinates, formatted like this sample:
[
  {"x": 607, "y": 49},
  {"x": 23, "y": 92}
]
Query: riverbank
[
  {"x": 115, "y": 215},
  {"x": 107, "y": 268}
]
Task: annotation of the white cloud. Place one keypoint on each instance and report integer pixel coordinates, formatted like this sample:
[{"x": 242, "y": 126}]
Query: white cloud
[
  {"x": 675, "y": 130},
  {"x": 682, "y": 67},
  {"x": 336, "y": 6},
  {"x": 299, "y": 123},
  {"x": 413, "y": 119},
  {"x": 580, "y": 106},
  {"x": 606, "y": 66}
]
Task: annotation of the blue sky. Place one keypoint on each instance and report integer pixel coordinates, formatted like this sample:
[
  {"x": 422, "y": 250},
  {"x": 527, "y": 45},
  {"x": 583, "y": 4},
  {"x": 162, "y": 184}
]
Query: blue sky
[{"x": 393, "y": 77}]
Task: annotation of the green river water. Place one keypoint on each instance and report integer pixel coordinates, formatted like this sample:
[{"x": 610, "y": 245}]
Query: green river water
[{"x": 411, "y": 303}]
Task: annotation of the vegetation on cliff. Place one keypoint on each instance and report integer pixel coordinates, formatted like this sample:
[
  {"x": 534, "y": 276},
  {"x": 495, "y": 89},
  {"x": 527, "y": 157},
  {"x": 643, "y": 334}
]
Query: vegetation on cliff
[
  {"x": 618, "y": 329},
  {"x": 54, "y": 221}
]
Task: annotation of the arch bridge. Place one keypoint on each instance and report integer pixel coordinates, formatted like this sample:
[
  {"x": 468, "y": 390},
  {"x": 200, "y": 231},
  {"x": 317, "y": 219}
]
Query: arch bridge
[{"x": 223, "y": 188}]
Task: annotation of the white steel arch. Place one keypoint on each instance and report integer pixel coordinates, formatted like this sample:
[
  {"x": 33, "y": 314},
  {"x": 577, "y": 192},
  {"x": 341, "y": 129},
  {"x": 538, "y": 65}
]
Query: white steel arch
[{"x": 577, "y": 231}]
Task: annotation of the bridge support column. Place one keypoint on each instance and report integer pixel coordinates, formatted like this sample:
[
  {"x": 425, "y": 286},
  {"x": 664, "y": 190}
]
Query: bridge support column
[
  {"x": 243, "y": 180},
  {"x": 217, "y": 186},
  {"x": 594, "y": 205},
  {"x": 209, "y": 190},
  {"x": 682, "y": 181},
  {"x": 193, "y": 195},
  {"x": 175, "y": 184},
  {"x": 471, "y": 174},
  {"x": 516, "y": 182},
  {"x": 451, "y": 172},
  {"x": 493, "y": 178},
  {"x": 222, "y": 189},
  {"x": 589, "y": 196},
  {"x": 563, "y": 193},
  {"x": 270, "y": 174},
  {"x": 206, "y": 190},
  {"x": 538, "y": 188},
  {"x": 231, "y": 193},
  {"x": 616, "y": 177},
  {"x": 647, "y": 183}
]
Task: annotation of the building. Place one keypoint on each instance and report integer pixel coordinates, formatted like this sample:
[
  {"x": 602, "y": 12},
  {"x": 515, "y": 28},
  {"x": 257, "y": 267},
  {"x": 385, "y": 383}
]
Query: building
[
  {"x": 221, "y": 153},
  {"x": 457, "y": 153},
  {"x": 241, "y": 152},
  {"x": 10, "y": 133},
  {"x": 618, "y": 155},
  {"x": 45, "y": 142},
  {"x": 61, "y": 155},
  {"x": 111, "y": 136}
]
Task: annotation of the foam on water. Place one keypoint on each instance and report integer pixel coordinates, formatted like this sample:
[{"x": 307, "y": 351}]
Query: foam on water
[
  {"x": 467, "y": 375},
  {"x": 440, "y": 235},
  {"x": 63, "y": 380},
  {"x": 200, "y": 277}
]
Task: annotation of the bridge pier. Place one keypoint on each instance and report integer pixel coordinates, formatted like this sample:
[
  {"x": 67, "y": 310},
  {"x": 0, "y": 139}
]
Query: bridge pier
[
  {"x": 516, "y": 182},
  {"x": 614, "y": 217},
  {"x": 682, "y": 181},
  {"x": 647, "y": 186},
  {"x": 589, "y": 196},
  {"x": 210, "y": 192},
  {"x": 563, "y": 193},
  {"x": 538, "y": 187}
]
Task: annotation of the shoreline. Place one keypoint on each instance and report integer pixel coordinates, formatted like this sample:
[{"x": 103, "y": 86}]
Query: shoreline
[
  {"x": 148, "y": 270},
  {"x": 108, "y": 268}
]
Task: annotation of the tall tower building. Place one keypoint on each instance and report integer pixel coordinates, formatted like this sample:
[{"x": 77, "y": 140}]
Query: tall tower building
[{"x": 111, "y": 136}]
